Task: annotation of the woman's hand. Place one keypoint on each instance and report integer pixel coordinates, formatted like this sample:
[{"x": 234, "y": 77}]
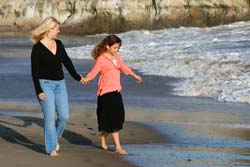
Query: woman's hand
[
  {"x": 84, "y": 80},
  {"x": 41, "y": 96}
]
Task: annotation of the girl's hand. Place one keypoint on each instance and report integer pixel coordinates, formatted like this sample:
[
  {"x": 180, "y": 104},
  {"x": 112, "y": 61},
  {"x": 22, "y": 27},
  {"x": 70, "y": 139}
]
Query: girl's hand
[
  {"x": 86, "y": 80},
  {"x": 138, "y": 79},
  {"x": 82, "y": 79},
  {"x": 41, "y": 96}
]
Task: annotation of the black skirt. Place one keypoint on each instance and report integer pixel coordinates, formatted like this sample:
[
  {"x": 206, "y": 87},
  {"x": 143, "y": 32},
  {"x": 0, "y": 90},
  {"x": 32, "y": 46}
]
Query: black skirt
[{"x": 110, "y": 112}]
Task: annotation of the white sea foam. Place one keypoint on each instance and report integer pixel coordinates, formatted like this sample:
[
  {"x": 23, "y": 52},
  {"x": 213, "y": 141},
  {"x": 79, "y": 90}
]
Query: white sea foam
[{"x": 214, "y": 61}]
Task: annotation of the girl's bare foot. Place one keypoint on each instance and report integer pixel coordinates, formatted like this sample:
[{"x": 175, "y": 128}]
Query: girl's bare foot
[
  {"x": 54, "y": 154},
  {"x": 57, "y": 147},
  {"x": 103, "y": 141},
  {"x": 121, "y": 151},
  {"x": 104, "y": 146}
]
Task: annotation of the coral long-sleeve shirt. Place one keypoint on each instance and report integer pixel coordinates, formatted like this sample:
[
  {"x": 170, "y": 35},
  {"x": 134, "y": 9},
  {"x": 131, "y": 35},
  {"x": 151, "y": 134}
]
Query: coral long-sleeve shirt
[{"x": 109, "y": 80}]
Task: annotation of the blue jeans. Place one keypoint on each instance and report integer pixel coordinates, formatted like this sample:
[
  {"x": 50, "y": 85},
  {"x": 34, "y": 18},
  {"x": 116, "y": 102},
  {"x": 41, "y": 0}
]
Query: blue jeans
[{"x": 56, "y": 101}]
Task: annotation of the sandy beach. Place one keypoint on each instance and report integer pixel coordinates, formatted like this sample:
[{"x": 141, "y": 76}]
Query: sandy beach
[
  {"x": 22, "y": 142},
  {"x": 161, "y": 129},
  {"x": 21, "y": 120},
  {"x": 22, "y": 139}
]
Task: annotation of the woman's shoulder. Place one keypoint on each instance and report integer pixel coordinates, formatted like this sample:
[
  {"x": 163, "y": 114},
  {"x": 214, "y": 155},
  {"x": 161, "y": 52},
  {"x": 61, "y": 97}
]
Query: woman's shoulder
[
  {"x": 58, "y": 41},
  {"x": 36, "y": 45},
  {"x": 59, "y": 44}
]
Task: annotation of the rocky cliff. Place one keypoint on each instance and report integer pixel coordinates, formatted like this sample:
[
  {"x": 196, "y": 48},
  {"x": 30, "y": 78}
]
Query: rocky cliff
[{"x": 98, "y": 16}]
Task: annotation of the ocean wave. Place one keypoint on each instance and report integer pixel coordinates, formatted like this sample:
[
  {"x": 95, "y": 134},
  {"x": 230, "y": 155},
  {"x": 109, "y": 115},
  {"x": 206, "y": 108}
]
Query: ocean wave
[{"x": 214, "y": 62}]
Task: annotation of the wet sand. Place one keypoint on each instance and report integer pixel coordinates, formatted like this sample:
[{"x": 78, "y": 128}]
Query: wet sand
[{"x": 21, "y": 141}]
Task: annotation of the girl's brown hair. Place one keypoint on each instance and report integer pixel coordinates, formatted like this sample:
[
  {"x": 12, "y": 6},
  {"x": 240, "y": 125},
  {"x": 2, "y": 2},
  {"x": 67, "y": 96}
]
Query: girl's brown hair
[{"x": 102, "y": 46}]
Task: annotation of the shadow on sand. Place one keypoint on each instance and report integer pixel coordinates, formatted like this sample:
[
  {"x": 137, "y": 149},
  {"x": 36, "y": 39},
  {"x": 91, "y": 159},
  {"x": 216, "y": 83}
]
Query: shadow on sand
[{"x": 13, "y": 136}]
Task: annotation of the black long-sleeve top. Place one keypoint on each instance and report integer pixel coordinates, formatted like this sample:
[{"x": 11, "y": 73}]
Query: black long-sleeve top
[{"x": 46, "y": 65}]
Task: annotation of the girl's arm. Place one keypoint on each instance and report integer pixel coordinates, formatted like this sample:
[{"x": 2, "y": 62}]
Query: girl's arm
[
  {"x": 137, "y": 77},
  {"x": 128, "y": 71},
  {"x": 124, "y": 68},
  {"x": 94, "y": 71}
]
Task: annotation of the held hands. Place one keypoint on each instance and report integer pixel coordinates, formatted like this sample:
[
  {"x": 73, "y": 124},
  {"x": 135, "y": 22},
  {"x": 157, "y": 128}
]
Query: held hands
[{"x": 84, "y": 80}]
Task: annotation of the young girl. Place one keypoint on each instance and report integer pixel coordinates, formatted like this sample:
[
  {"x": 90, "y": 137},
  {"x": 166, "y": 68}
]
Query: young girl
[{"x": 110, "y": 109}]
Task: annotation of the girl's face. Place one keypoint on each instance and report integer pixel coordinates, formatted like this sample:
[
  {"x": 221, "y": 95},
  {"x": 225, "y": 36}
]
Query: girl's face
[
  {"x": 113, "y": 49},
  {"x": 53, "y": 32}
]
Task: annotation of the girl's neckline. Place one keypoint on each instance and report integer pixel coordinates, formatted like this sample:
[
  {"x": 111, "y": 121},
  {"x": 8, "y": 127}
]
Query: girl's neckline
[
  {"x": 113, "y": 61},
  {"x": 110, "y": 57}
]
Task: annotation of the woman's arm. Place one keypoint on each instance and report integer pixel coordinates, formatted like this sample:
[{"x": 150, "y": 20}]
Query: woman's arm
[
  {"x": 35, "y": 69},
  {"x": 68, "y": 63},
  {"x": 35, "y": 73}
]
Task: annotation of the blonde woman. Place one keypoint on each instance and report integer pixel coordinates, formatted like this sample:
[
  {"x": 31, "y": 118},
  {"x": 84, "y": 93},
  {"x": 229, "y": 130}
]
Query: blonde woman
[{"x": 48, "y": 55}]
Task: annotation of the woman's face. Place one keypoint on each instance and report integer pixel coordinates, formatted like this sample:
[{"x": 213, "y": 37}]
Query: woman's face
[
  {"x": 53, "y": 32},
  {"x": 113, "y": 49}
]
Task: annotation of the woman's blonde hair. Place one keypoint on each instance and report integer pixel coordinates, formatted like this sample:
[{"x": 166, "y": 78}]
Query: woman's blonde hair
[{"x": 42, "y": 30}]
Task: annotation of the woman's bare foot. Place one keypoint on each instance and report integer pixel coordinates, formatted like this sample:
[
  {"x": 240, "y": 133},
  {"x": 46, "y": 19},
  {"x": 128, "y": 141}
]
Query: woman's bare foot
[
  {"x": 57, "y": 147},
  {"x": 121, "y": 151},
  {"x": 54, "y": 154}
]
